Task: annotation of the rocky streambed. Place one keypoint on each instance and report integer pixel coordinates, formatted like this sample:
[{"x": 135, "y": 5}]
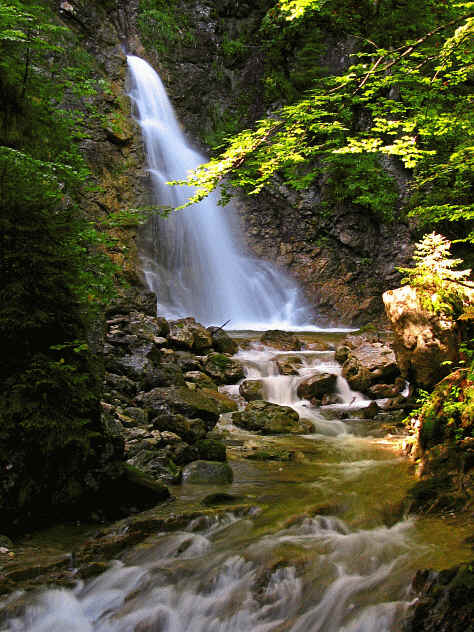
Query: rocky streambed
[{"x": 289, "y": 494}]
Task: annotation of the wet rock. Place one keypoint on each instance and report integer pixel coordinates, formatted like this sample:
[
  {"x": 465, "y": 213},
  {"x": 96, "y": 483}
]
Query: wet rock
[
  {"x": 317, "y": 385},
  {"x": 251, "y": 390},
  {"x": 378, "y": 391},
  {"x": 208, "y": 473},
  {"x": 156, "y": 465},
  {"x": 424, "y": 341},
  {"x": 370, "y": 411},
  {"x": 211, "y": 450},
  {"x": 181, "y": 453},
  {"x": 222, "y": 369},
  {"x": 267, "y": 418},
  {"x": 220, "y": 499},
  {"x": 187, "y": 334},
  {"x": 190, "y": 430},
  {"x": 289, "y": 365},
  {"x": 342, "y": 353},
  {"x": 200, "y": 379},
  {"x": 140, "y": 490},
  {"x": 179, "y": 399},
  {"x": 397, "y": 403},
  {"x": 445, "y": 601},
  {"x": 282, "y": 340},
  {"x": 222, "y": 342}
]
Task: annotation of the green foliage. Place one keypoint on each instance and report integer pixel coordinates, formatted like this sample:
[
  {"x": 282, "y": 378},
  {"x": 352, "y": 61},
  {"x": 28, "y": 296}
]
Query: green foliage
[
  {"x": 408, "y": 100},
  {"x": 162, "y": 26},
  {"x": 56, "y": 275},
  {"x": 442, "y": 289}
]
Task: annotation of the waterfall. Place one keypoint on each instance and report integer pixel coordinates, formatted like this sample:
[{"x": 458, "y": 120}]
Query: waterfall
[{"x": 194, "y": 260}]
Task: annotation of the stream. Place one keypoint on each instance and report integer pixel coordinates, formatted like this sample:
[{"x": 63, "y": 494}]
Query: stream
[{"x": 314, "y": 539}]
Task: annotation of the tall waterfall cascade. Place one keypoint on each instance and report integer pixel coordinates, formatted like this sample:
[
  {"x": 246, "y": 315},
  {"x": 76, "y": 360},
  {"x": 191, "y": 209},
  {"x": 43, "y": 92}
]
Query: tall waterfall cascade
[{"x": 194, "y": 260}]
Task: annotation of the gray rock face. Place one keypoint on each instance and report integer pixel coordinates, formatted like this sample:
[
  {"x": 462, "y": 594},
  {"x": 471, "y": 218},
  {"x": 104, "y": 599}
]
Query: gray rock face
[
  {"x": 317, "y": 385},
  {"x": 222, "y": 369},
  {"x": 208, "y": 473},
  {"x": 282, "y": 340},
  {"x": 267, "y": 418},
  {"x": 251, "y": 390}
]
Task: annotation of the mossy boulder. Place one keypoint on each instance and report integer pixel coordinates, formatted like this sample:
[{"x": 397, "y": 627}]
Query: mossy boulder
[
  {"x": 222, "y": 369},
  {"x": 200, "y": 379},
  {"x": 208, "y": 473},
  {"x": 190, "y": 430},
  {"x": 211, "y": 450},
  {"x": 181, "y": 400},
  {"x": 222, "y": 342},
  {"x": 251, "y": 390},
  {"x": 267, "y": 418},
  {"x": 187, "y": 334}
]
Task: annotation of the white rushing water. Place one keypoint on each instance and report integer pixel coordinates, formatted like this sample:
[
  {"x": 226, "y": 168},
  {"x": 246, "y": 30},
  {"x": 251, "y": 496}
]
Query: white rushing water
[
  {"x": 221, "y": 573},
  {"x": 194, "y": 260},
  {"x": 263, "y": 364},
  {"x": 185, "y": 583}
]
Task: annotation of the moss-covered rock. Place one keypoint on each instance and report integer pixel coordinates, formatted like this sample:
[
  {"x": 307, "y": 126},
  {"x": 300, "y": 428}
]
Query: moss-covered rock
[
  {"x": 222, "y": 369},
  {"x": 267, "y": 418},
  {"x": 211, "y": 450},
  {"x": 222, "y": 342},
  {"x": 445, "y": 601},
  {"x": 251, "y": 390},
  {"x": 181, "y": 400},
  {"x": 208, "y": 473}
]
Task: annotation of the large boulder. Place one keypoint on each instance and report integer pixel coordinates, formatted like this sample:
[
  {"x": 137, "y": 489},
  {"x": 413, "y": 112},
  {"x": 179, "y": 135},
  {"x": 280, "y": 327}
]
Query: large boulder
[
  {"x": 369, "y": 363},
  {"x": 424, "y": 341},
  {"x": 222, "y": 369},
  {"x": 282, "y": 340},
  {"x": 222, "y": 342},
  {"x": 187, "y": 334},
  {"x": 267, "y": 418},
  {"x": 181, "y": 400},
  {"x": 251, "y": 390},
  {"x": 317, "y": 385},
  {"x": 208, "y": 473}
]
